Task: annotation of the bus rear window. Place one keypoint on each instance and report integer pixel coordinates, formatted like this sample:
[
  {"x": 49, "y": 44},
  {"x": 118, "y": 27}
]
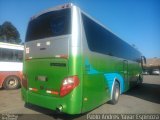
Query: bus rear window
[{"x": 51, "y": 24}]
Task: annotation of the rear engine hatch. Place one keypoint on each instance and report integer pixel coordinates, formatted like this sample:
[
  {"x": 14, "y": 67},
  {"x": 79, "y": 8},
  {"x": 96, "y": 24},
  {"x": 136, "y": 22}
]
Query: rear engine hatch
[{"x": 46, "y": 75}]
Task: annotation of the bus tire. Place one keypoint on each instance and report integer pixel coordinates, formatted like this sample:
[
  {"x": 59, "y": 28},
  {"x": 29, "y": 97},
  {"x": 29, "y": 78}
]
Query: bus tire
[
  {"x": 11, "y": 82},
  {"x": 115, "y": 93},
  {"x": 139, "y": 80}
]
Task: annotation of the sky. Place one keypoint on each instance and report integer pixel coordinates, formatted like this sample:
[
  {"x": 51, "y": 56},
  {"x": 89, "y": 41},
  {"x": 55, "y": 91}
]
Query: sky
[{"x": 135, "y": 21}]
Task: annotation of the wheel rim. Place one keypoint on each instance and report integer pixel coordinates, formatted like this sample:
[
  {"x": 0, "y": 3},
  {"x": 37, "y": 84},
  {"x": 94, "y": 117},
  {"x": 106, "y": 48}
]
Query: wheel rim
[
  {"x": 12, "y": 82},
  {"x": 116, "y": 92}
]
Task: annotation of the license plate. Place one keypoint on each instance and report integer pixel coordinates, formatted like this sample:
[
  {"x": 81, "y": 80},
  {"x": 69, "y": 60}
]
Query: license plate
[{"x": 42, "y": 78}]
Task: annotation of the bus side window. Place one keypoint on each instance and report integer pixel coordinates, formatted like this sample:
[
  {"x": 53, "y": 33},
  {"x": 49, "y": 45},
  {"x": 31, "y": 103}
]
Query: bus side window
[
  {"x": 0, "y": 54},
  {"x": 14, "y": 58},
  {"x": 4, "y": 54},
  {"x": 20, "y": 56},
  {"x": 9, "y": 55}
]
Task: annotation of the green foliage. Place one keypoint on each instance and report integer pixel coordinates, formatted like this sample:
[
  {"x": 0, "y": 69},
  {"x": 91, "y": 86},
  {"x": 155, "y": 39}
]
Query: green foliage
[{"x": 9, "y": 33}]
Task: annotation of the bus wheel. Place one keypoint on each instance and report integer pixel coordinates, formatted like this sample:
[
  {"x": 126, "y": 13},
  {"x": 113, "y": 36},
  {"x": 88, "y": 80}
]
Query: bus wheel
[
  {"x": 140, "y": 80},
  {"x": 115, "y": 93},
  {"x": 11, "y": 82}
]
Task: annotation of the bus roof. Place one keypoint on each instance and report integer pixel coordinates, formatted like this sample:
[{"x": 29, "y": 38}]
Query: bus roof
[{"x": 11, "y": 46}]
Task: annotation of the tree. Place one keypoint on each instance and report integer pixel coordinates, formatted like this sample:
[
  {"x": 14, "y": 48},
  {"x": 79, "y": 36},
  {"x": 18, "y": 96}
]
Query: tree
[{"x": 9, "y": 33}]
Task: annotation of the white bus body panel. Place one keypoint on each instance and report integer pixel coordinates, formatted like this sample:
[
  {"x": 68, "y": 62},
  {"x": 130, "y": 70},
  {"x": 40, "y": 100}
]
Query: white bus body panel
[{"x": 11, "y": 66}]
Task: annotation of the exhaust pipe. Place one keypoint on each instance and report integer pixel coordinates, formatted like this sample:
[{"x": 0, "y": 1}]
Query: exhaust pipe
[{"x": 59, "y": 108}]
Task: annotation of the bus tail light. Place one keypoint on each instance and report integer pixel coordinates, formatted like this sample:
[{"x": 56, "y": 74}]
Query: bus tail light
[
  {"x": 68, "y": 85},
  {"x": 33, "y": 89},
  {"x": 52, "y": 92},
  {"x": 24, "y": 81}
]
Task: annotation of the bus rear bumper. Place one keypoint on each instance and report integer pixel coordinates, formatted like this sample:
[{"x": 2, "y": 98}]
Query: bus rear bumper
[{"x": 53, "y": 103}]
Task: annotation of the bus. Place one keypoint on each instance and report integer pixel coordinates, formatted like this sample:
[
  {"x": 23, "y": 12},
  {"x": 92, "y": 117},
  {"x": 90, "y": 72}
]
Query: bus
[
  {"x": 11, "y": 56},
  {"x": 73, "y": 64}
]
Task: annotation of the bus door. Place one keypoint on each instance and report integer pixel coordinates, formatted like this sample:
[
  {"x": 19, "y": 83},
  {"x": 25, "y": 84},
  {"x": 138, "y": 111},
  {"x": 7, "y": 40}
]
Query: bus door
[{"x": 125, "y": 74}]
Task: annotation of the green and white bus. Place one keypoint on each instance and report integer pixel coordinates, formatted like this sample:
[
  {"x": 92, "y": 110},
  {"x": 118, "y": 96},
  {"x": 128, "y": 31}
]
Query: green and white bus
[{"x": 73, "y": 64}]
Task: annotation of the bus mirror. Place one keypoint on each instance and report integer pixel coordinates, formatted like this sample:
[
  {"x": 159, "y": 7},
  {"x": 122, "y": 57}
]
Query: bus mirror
[{"x": 144, "y": 59}]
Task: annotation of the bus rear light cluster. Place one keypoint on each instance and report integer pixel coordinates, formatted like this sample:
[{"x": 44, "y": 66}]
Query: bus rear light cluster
[
  {"x": 68, "y": 85},
  {"x": 52, "y": 92},
  {"x": 24, "y": 81},
  {"x": 33, "y": 89},
  {"x": 62, "y": 56}
]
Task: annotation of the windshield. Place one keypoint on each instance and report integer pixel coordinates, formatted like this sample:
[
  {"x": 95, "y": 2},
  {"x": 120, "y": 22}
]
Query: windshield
[{"x": 51, "y": 24}]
